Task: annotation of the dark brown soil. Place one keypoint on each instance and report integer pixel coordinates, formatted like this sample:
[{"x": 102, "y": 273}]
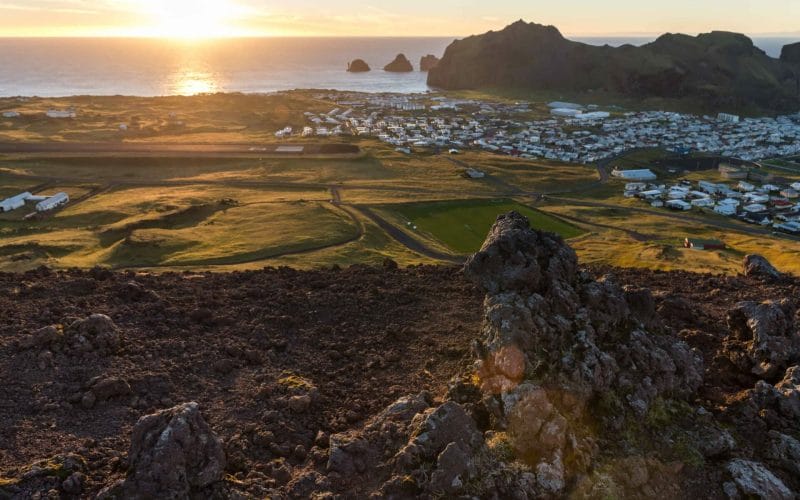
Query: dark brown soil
[{"x": 243, "y": 344}]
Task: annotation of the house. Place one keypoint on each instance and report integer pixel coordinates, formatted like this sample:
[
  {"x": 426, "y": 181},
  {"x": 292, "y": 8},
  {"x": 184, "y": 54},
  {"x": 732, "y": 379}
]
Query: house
[
  {"x": 678, "y": 205},
  {"x": 725, "y": 209},
  {"x": 790, "y": 193},
  {"x": 475, "y": 174},
  {"x": 728, "y": 118},
  {"x": 698, "y": 244},
  {"x": 635, "y": 175},
  {"x": 53, "y": 202},
  {"x": 10, "y": 114},
  {"x": 703, "y": 202},
  {"x": 746, "y": 187},
  {"x": 58, "y": 113}
]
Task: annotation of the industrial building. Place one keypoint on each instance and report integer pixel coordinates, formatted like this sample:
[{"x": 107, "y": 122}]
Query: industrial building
[
  {"x": 53, "y": 202},
  {"x": 635, "y": 175},
  {"x": 15, "y": 202}
]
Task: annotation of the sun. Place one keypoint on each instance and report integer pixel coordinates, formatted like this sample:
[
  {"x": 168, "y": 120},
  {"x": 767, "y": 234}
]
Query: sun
[{"x": 192, "y": 19}]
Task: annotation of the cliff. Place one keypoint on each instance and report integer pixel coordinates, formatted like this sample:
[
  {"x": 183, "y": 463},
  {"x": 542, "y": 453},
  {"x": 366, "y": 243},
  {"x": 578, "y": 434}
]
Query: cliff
[
  {"x": 427, "y": 63},
  {"x": 720, "y": 70}
]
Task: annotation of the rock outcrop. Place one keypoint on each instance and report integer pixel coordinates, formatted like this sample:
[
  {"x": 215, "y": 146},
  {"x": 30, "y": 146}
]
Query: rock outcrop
[
  {"x": 427, "y": 63},
  {"x": 358, "y": 66},
  {"x": 764, "y": 338},
  {"x": 173, "y": 454},
  {"x": 716, "y": 71},
  {"x": 401, "y": 64},
  {"x": 791, "y": 53},
  {"x": 759, "y": 267},
  {"x": 554, "y": 341}
]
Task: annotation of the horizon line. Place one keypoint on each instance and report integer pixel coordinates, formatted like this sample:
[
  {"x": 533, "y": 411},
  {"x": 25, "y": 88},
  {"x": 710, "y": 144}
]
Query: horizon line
[{"x": 266, "y": 36}]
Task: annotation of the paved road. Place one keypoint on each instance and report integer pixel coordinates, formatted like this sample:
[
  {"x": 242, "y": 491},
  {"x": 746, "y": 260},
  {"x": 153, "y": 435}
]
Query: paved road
[{"x": 406, "y": 240}]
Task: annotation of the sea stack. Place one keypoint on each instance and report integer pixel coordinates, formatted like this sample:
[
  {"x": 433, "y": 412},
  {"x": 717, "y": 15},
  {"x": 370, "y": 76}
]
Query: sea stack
[
  {"x": 427, "y": 63},
  {"x": 401, "y": 64},
  {"x": 358, "y": 66}
]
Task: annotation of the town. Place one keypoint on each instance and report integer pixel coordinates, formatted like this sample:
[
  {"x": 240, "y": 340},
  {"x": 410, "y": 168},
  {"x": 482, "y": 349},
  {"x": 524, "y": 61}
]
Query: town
[
  {"x": 571, "y": 133},
  {"x": 765, "y": 205}
]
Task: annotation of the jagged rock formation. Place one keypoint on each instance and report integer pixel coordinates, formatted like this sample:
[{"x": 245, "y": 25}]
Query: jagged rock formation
[
  {"x": 717, "y": 71},
  {"x": 759, "y": 267},
  {"x": 764, "y": 338},
  {"x": 358, "y": 66},
  {"x": 427, "y": 63},
  {"x": 401, "y": 64},
  {"x": 173, "y": 454}
]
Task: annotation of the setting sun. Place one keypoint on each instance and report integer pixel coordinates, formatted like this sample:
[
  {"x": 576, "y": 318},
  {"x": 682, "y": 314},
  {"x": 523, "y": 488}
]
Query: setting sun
[{"x": 192, "y": 19}]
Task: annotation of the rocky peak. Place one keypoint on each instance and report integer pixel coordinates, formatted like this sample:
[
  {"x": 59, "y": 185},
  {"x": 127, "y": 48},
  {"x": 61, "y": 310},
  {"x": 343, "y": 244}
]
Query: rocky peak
[{"x": 401, "y": 64}]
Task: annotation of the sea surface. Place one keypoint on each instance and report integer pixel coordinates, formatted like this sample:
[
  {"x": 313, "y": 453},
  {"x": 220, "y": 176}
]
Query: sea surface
[{"x": 53, "y": 67}]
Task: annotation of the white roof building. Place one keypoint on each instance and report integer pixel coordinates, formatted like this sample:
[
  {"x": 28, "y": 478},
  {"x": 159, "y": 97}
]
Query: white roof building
[
  {"x": 635, "y": 175},
  {"x": 53, "y": 202},
  {"x": 14, "y": 202}
]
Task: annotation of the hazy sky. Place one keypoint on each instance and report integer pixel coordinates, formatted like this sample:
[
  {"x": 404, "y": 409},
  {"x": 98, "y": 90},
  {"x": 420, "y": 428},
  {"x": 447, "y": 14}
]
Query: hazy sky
[{"x": 196, "y": 18}]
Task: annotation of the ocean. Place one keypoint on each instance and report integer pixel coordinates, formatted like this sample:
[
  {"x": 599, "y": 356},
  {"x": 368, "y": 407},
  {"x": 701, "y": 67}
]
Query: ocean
[{"x": 50, "y": 67}]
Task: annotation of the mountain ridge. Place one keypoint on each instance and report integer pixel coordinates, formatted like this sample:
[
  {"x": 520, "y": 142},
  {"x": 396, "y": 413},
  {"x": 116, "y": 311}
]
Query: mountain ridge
[{"x": 722, "y": 70}]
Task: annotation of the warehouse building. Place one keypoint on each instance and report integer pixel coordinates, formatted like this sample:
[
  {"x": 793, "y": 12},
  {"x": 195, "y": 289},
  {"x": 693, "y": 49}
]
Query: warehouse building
[{"x": 53, "y": 202}]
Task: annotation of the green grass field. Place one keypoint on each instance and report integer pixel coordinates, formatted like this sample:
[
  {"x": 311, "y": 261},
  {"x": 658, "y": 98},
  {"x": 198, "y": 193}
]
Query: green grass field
[{"x": 462, "y": 226}]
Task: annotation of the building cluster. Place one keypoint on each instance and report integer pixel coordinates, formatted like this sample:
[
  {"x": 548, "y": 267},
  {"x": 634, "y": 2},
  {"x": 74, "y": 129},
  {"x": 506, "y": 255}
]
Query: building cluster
[
  {"x": 44, "y": 203},
  {"x": 573, "y": 133},
  {"x": 766, "y": 204}
]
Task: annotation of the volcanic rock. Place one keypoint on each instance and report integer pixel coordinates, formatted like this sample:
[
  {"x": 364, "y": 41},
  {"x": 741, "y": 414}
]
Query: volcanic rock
[
  {"x": 754, "y": 480},
  {"x": 173, "y": 454},
  {"x": 427, "y": 63},
  {"x": 358, "y": 66},
  {"x": 97, "y": 332},
  {"x": 759, "y": 267},
  {"x": 769, "y": 333},
  {"x": 578, "y": 337},
  {"x": 401, "y": 64}
]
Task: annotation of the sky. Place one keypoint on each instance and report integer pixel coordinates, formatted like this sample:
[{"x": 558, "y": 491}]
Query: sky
[{"x": 216, "y": 18}]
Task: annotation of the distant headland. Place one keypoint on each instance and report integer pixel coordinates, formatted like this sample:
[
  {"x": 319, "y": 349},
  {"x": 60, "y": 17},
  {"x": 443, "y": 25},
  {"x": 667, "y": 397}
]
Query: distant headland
[{"x": 721, "y": 70}]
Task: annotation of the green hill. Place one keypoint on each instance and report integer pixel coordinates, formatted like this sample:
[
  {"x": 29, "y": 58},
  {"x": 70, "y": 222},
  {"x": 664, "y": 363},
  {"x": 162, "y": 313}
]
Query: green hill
[{"x": 720, "y": 70}]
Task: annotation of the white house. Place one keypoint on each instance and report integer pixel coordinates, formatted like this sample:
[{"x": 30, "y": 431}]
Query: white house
[
  {"x": 703, "y": 202},
  {"x": 59, "y": 113},
  {"x": 678, "y": 205},
  {"x": 755, "y": 208},
  {"x": 10, "y": 114},
  {"x": 725, "y": 209},
  {"x": 53, "y": 202},
  {"x": 727, "y": 117},
  {"x": 746, "y": 187},
  {"x": 565, "y": 112},
  {"x": 564, "y": 105}
]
